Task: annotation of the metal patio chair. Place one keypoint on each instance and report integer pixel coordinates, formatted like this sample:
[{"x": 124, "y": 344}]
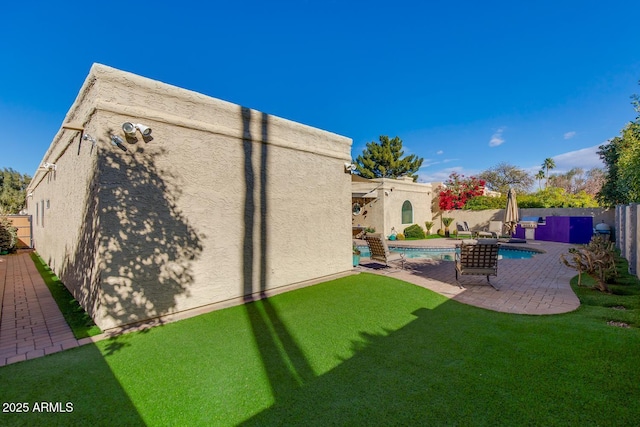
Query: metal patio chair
[
  {"x": 479, "y": 258},
  {"x": 379, "y": 251}
]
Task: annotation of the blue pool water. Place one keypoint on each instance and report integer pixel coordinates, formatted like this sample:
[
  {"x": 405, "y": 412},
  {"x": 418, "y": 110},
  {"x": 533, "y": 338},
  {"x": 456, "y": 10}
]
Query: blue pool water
[{"x": 448, "y": 254}]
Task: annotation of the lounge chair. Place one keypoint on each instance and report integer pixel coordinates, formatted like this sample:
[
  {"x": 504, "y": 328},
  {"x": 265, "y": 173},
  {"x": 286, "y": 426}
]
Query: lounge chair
[
  {"x": 463, "y": 231},
  {"x": 476, "y": 234},
  {"x": 496, "y": 228},
  {"x": 358, "y": 232},
  {"x": 379, "y": 251},
  {"x": 478, "y": 258}
]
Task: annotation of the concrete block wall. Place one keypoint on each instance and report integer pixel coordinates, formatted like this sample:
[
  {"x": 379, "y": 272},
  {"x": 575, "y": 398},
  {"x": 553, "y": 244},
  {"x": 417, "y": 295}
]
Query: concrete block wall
[{"x": 627, "y": 226}]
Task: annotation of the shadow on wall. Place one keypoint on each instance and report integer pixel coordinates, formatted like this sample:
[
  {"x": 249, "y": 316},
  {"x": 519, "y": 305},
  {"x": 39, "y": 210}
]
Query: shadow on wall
[
  {"x": 143, "y": 244},
  {"x": 283, "y": 360}
]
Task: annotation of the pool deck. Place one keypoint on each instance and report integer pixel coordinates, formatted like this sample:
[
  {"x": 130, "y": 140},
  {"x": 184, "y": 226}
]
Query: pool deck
[
  {"x": 539, "y": 285},
  {"x": 31, "y": 325}
]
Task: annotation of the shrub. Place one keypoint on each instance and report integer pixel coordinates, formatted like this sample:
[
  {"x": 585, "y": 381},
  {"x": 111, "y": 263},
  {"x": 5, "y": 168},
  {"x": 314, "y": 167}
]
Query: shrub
[
  {"x": 8, "y": 234},
  {"x": 414, "y": 232},
  {"x": 597, "y": 259},
  {"x": 429, "y": 226},
  {"x": 485, "y": 202},
  {"x": 356, "y": 251}
]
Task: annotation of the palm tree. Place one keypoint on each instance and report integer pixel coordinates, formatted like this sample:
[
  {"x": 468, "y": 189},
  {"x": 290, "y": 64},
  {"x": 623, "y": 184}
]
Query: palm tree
[
  {"x": 548, "y": 164},
  {"x": 539, "y": 177}
]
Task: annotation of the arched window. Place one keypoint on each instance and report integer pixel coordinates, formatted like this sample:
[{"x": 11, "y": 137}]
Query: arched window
[{"x": 407, "y": 212}]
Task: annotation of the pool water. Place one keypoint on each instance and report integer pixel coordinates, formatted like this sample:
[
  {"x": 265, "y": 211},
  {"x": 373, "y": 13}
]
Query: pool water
[{"x": 448, "y": 254}]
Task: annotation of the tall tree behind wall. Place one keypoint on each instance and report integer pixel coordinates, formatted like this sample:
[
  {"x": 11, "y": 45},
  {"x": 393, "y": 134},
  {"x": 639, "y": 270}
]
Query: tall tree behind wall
[
  {"x": 13, "y": 191},
  {"x": 621, "y": 156},
  {"x": 385, "y": 159}
]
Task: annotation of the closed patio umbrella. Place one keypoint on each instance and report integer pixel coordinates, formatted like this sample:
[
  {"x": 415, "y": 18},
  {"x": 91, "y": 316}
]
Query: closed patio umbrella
[{"x": 511, "y": 214}]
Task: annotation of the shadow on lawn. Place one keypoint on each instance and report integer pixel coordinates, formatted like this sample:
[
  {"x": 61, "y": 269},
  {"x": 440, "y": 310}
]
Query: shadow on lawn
[
  {"x": 425, "y": 374},
  {"x": 284, "y": 362},
  {"x": 386, "y": 382},
  {"x": 77, "y": 387}
]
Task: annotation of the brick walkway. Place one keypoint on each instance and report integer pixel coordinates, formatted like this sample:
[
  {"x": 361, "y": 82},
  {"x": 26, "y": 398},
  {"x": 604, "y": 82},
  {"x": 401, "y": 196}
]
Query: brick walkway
[{"x": 31, "y": 324}]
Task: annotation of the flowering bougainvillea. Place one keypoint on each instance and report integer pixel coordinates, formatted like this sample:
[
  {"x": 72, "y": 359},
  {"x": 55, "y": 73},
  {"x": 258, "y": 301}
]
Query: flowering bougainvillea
[{"x": 458, "y": 190}]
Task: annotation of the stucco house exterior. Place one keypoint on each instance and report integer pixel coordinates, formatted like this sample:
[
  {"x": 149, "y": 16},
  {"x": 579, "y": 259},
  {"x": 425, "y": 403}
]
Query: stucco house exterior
[
  {"x": 216, "y": 203},
  {"x": 387, "y": 204}
]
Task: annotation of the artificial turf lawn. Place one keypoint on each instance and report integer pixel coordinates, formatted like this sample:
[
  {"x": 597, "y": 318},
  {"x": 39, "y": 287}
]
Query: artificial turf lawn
[
  {"x": 360, "y": 350},
  {"x": 78, "y": 320}
]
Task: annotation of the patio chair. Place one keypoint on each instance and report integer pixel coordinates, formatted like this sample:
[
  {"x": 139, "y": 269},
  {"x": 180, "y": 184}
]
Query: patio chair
[
  {"x": 379, "y": 251},
  {"x": 463, "y": 231},
  {"x": 479, "y": 258},
  {"x": 476, "y": 234},
  {"x": 496, "y": 228}
]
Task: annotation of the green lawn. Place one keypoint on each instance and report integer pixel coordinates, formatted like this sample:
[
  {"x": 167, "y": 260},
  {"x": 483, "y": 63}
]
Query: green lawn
[
  {"x": 78, "y": 320},
  {"x": 362, "y": 350}
]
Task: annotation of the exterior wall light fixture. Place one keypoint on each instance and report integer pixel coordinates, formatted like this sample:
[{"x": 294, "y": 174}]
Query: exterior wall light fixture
[
  {"x": 130, "y": 129},
  {"x": 88, "y": 137},
  {"x": 117, "y": 141},
  {"x": 144, "y": 130},
  {"x": 349, "y": 168}
]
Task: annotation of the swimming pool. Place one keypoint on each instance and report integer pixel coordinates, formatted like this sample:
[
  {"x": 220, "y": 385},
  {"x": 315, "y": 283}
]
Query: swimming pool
[{"x": 448, "y": 254}]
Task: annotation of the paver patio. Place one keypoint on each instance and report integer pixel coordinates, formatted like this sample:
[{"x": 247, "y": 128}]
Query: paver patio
[{"x": 539, "y": 285}]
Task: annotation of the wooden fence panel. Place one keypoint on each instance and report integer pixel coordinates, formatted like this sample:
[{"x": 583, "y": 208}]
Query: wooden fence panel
[{"x": 23, "y": 224}]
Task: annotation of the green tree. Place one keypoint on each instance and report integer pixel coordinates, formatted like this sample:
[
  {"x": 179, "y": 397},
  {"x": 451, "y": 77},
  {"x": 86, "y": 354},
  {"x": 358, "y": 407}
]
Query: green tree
[
  {"x": 547, "y": 165},
  {"x": 611, "y": 193},
  {"x": 13, "y": 191},
  {"x": 629, "y": 163},
  {"x": 555, "y": 197},
  {"x": 539, "y": 177},
  {"x": 385, "y": 159},
  {"x": 621, "y": 156},
  {"x": 504, "y": 176}
]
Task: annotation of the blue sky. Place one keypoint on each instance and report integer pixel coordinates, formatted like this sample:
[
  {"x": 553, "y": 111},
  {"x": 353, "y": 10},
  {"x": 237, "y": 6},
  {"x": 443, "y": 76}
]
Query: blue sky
[{"x": 465, "y": 84}]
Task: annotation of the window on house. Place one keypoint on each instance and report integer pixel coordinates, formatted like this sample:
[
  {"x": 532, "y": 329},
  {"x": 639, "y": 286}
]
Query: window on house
[
  {"x": 37, "y": 214},
  {"x": 407, "y": 212},
  {"x": 42, "y": 213}
]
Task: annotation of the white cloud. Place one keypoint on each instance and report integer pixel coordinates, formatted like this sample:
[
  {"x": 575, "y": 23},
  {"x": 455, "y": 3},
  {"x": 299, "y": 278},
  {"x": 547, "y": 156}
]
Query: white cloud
[
  {"x": 443, "y": 174},
  {"x": 585, "y": 158},
  {"x": 438, "y": 176},
  {"x": 496, "y": 138},
  {"x": 569, "y": 135},
  {"x": 439, "y": 152},
  {"x": 430, "y": 162}
]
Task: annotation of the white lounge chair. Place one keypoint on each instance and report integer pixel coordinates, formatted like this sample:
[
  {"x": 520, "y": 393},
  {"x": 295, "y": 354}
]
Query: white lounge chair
[
  {"x": 463, "y": 231},
  {"x": 496, "y": 228}
]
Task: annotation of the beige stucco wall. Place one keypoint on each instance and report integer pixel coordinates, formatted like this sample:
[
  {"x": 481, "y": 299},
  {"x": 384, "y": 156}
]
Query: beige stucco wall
[
  {"x": 222, "y": 202},
  {"x": 384, "y": 213}
]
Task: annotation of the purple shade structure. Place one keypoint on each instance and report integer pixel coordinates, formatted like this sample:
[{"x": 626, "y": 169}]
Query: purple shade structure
[{"x": 563, "y": 229}]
